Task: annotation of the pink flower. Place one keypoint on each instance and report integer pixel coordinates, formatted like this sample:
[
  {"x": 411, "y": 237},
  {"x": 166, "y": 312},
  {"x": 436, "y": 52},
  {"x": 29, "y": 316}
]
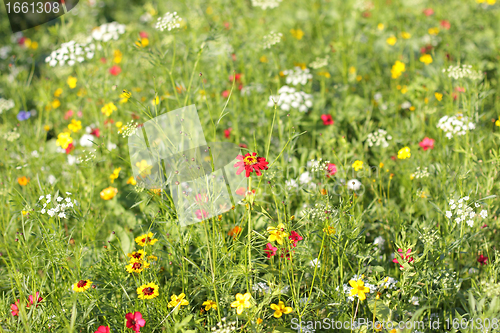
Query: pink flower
[
  {"x": 95, "y": 132},
  {"x": 103, "y": 60},
  {"x": 201, "y": 214},
  {"x": 332, "y": 170},
  {"x": 115, "y": 70},
  {"x": 426, "y": 143},
  {"x": 135, "y": 321},
  {"x": 68, "y": 114},
  {"x": 482, "y": 260},
  {"x": 405, "y": 258},
  {"x": 327, "y": 119},
  {"x": 428, "y": 11},
  {"x": 227, "y": 132},
  {"x": 104, "y": 329},
  {"x": 270, "y": 250},
  {"x": 143, "y": 34},
  {"x": 446, "y": 24},
  {"x": 225, "y": 94},
  {"x": 31, "y": 299},
  {"x": 295, "y": 238}
]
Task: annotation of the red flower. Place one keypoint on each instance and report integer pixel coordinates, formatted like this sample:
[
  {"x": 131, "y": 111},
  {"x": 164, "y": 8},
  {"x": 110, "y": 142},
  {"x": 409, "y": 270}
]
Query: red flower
[
  {"x": 14, "y": 308},
  {"x": 135, "y": 321},
  {"x": 332, "y": 170},
  {"x": 115, "y": 70},
  {"x": 31, "y": 299},
  {"x": 227, "y": 132},
  {"x": 242, "y": 145},
  {"x": 250, "y": 163},
  {"x": 295, "y": 238},
  {"x": 426, "y": 143},
  {"x": 405, "y": 258},
  {"x": 143, "y": 34},
  {"x": 366, "y": 14},
  {"x": 428, "y": 11},
  {"x": 95, "y": 132},
  {"x": 484, "y": 226},
  {"x": 482, "y": 260},
  {"x": 68, "y": 114},
  {"x": 103, "y": 60},
  {"x": 270, "y": 250},
  {"x": 236, "y": 77},
  {"x": 426, "y": 49},
  {"x": 233, "y": 56},
  {"x": 227, "y": 25},
  {"x": 70, "y": 148},
  {"x": 21, "y": 40},
  {"x": 446, "y": 24},
  {"x": 327, "y": 119},
  {"x": 225, "y": 94},
  {"x": 104, "y": 329}
]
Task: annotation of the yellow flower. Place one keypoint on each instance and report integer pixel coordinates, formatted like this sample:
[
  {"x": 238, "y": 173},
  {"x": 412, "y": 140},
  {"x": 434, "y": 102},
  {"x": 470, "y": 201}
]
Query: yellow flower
[
  {"x": 108, "y": 193},
  {"x": 125, "y": 96},
  {"x": 404, "y": 153},
  {"x": 136, "y": 266},
  {"x": 58, "y": 92},
  {"x": 64, "y": 139},
  {"x": 55, "y": 104},
  {"x": 490, "y": 2},
  {"x": 152, "y": 258},
  {"x": 259, "y": 321},
  {"x": 263, "y": 59},
  {"x": 144, "y": 168},
  {"x": 139, "y": 255},
  {"x": 381, "y": 165},
  {"x": 380, "y": 26},
  {"x": 438, "y": 96},
  {"x": 358, "y": 288},
  {"x": 142, "y": 42},
  {"x": 34, "y": 45},
  {"x": 391, "y": 40},
  {"x": 352, "y": 70},
  {"x": 433, "y": 31},
  {"x": 108, "y": 109},
  {"x": 497, "y": 123},
  {"x": 119, "y": 124},
  {"x": 359, "y": 78},
  {"x": 71, "y": 82},
  {"x": 397, "y": 69},
  {"x": 115, "y": 174},
  {"x": 242, "y": 302},
  {"x": 176, "y": 300},
  {"x": 298, "y": 34},
  {"x": 81, "y": 92},
  {"x": 117, "y": 56},
  {"x": 277, "y": 233},
  {"x": 404, "y": 90},
  {"x": 330, "y": 230},
  {"x": 155, "y": 100},
  {"x": 357, "y": 165},
  {"x": 405, "y": 35},
  {"x": 325, "y": 74},
  {"x": 209, "y": 304},
  {"x": 132, "y": 181},
  {"x": 75, "y": 125},
  {"x": 426, "y": 59},
  {"x": 146, "y": 239},
  {"x": 148, "y": 291},
  {"x": 280, "y": 309},
  {"x": 81, "y": 285}
]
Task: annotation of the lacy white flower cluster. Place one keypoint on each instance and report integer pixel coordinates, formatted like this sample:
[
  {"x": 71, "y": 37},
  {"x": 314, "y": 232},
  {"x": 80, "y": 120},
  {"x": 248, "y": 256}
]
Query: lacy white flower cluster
[
  {"x": 318, "y": 166},
  {"x": 429, "y": 236},
  {"x": 378, "y": 138},
  {"x": 460, "y": 211},
  {"x": 446, "y": 279},
  {"x": 265, "y": 4},
  {"x": 128, "y": 129},
  {"x": 169, "y": 21},
  {"x": 6, "y": 104},
  {"x": 108, "y": 31},
  {"x": 272, "y": 39},
  {"x": 87, "y": 157},
  {"x": 12, "y": 135},
  {"x": 290, "y": 98},
  {"x": 320, "y": 212},
  {"x": 388, "y": 283},
  {"x": 319, "y": 62},
  {"x": 421, "y": 173},
  {"x": 59, "y": 206},
  {"x": 71, "y": 52},
  {"x": 264, "y": 288},
  {"x": 463, "y": 72},
  {"x": 297, "y": 76},
  {"x": 455, "y": 125},
  {"x": 224, "y": 327}
]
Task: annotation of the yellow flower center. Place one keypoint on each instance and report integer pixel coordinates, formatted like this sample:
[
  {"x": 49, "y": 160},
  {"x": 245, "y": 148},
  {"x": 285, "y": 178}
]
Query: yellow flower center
[{"x": 249, "y": 160}]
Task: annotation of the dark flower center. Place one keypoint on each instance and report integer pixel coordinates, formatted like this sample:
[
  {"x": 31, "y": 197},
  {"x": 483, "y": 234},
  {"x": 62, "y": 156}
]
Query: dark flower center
[
  {"x": 81, "y": 283},
  {"x": 137, "y": 265},
  {"x": 148, "y": 291}
]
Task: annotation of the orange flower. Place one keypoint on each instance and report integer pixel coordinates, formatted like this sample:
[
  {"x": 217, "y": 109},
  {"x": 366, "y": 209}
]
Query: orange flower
[
  {"x": 235, "y": 231},
  {"x": 23, "y": 181},
  {"x": 108, "y": 193}
]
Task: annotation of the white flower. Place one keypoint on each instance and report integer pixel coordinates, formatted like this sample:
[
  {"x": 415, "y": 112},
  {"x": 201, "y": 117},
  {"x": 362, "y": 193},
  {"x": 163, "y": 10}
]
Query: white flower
[
  {"x": 354, "y": 185},
  {"x": 289, "y": 97},
  {"x": 272, "y": 39},
  {"x": 6, "y": 104},
  {"x": 315, "y": 263},
  {"x": 305, "y": 178},
  {"x": 414, "y": 300},
  {"x": 62, "y": 215},
  {"x": 51, "y": 179},
  {"x": 86, "y": 140},
  {"x": 59, "y": 199},
  {"x": 378, "y": 138},
  {"x": 448, "y": 214},
  {"x": 42, "y": 211},
  {"x": 297, "y": 76},
  {"x": 477, "y": 205},
  {"x": 265, "y": 4},
  {"x": 470, "y": 223},
  {"x": 483, "y": 214}
]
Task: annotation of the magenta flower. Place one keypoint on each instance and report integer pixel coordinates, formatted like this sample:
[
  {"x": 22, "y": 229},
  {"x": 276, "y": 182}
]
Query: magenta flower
[
  {"x": 332, "y": 170},
  {"x": 482, "y": 260},
  {"x": 327, "y": 119},
  {"x": 103, "y": 329},
  {"x": 135, "y": 321},
  {"x": 404, "y": 257},
  {"x": 426, "y": 143},
  {"x": 270, "y": 250},
  {"x": 295, "y": 238}
]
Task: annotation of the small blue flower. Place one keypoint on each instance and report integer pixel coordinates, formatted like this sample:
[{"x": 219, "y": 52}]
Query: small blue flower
[{"x": 23, "y": 115}]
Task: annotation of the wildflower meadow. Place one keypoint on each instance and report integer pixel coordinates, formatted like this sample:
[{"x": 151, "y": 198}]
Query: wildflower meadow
[{"x": 250, "y": 166}]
